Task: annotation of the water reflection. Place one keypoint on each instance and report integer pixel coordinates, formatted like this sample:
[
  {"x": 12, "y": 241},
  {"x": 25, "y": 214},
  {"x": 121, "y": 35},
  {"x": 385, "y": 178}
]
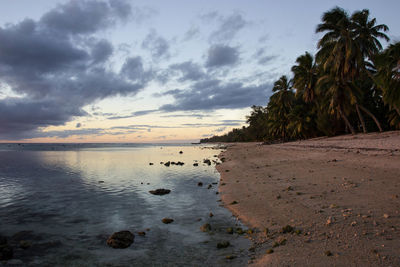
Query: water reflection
[{"x": 79, "y": 197}]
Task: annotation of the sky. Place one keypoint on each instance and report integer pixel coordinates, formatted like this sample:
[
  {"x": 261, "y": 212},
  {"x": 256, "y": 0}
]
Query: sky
[{"x": 150, "y": 71}]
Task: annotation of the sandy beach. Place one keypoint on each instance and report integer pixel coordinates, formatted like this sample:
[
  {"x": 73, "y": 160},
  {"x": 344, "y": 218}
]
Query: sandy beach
[{"x": 341, "y": 195}]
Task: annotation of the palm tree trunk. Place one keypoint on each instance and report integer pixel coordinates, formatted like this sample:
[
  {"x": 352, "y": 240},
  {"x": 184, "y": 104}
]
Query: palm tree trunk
[
  {"x": 372, "y": 116},
  {"x": 397, "y": 109},
  {"x": 346, "y": 121},
  {"x": 361, "y": 119}
]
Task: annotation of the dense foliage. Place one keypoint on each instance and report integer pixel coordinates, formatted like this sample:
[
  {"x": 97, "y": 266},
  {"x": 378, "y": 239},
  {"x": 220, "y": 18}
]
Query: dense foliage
[{"x": 351, "y": 85}]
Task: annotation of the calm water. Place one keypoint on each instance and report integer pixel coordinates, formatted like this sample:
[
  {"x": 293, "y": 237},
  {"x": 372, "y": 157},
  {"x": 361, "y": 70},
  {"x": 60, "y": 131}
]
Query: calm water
[{"x": 67, "y": 199}]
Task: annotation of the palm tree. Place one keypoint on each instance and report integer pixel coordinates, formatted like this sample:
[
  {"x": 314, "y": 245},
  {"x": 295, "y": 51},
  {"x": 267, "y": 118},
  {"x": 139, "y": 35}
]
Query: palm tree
[
  {"x": 388, "y": 76},
  {"x": 342, "y": 52},
  {"x": 305, "y": 77},
  {"x": 279, "y": 107}
]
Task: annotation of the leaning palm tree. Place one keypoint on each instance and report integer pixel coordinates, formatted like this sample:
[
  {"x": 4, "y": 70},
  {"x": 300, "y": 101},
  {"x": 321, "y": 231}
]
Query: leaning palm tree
[{"x": 305, "y": 77}]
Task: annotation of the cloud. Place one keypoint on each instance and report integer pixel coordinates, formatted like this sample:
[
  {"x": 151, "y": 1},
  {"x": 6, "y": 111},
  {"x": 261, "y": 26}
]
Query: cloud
[
  {"x": 221, "y": 55},
  {"x": 228, "y": 28},
  {"x": 221, "y": 129},
  {"x": 84, "y": 16},
  {"x": 188, "y": 71},
  {"x": 156, "y": 45},
  {"x": 78, "y": 125},
  {"x": 214, "y": 94},
  {"x": 133, "y": 70},
  {"x": 192, "y": 33},
  {"x": 261, "y": 57},
  {"x": 56, "y": 66}
]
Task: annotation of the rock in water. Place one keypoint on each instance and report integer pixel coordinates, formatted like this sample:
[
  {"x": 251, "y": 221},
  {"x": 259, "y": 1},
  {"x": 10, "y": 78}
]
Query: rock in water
[
  {"x": 180, "y": 152},
  {"x": 195, "y": 164},
  {"x": 167, "y": 164},
  {"x": 205, "y": 227},
  {"x": 223, "y": 244},
  {"x": 121, "y": 239},
  {"x": 167, "y": 220},
  {"x": 6, "y": 251},
  {"x": 160, "y": 191}
]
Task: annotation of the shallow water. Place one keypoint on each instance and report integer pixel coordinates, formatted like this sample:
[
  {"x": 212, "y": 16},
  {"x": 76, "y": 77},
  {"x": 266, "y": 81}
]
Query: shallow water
[{"x": 69, "y": 198}]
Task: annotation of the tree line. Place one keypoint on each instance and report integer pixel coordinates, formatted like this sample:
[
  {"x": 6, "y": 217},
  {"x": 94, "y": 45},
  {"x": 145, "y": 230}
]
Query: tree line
[{"x": 350, "y": 85}]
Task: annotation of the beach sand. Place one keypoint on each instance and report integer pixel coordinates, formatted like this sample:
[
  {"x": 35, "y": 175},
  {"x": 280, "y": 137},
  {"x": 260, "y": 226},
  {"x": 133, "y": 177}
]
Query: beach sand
[{"x": 342, "y": 193}]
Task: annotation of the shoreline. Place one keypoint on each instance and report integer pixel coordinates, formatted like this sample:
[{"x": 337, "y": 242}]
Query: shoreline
[{"x": 340, "y": 194}]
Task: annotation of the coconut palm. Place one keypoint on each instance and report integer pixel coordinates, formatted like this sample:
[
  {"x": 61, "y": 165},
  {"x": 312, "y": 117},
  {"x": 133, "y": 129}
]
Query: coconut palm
[
  {"x": 305, "y": 77},
  {"x": 279, "y": 107},
  {"x": 342, "y": 52}
]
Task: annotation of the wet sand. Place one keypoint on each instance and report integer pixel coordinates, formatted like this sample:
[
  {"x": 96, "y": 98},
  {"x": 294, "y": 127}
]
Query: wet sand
[{"x": 341, "y": 195}]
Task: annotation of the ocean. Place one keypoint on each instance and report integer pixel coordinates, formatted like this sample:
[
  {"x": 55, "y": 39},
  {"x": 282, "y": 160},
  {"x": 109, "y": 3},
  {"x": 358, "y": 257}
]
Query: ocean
[{"x": 64, "y": 200}]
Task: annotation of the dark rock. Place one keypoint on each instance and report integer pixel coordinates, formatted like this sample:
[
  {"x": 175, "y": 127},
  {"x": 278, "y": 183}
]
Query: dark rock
[
  {"x": 167, "y": 220},
  {"x": 239, "y": 231},
  {"x": 328, "y": 253},
  {"x": 25, "y": 244},
  {"x": 151, "y": 163},
  {"x": 223, "y": 244},
  {"x": 270, "y": 251},
  {"x": 200, "y": 184},
  {"x": 211, "y": 214},
  {"x": 230, "y": 257},
  {"x": 167, "y": 164},
  {"x": 122, "y": 239},
  {"x": 160, "y": 192},
  {"x": 141, "y": 233},
  {"x": 205, "y": 227},
  {"x": 234, "y": 202},
  {"x": 6, "y": 252},
  {"x": 209, "y": 186},
  {"x": 229, "y": 230},
  {"x": 101, "y": 182},
  {"x": 3, "y": 240},
  {"x": 180, "y": 163},
  {"x": 195, "y": 164},
  {"x": 207, "y": 161},
  {"x": 180, "y": 152},
  {"x": 287, "y": 229}
]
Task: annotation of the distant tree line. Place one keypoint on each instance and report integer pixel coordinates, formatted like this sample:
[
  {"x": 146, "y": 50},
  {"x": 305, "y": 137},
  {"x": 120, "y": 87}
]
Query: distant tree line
[{"x": 351, "y": 85}]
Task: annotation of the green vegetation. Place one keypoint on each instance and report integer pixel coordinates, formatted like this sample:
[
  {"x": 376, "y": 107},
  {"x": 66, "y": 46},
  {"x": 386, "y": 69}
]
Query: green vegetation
[{"x": 351, "y": 85}]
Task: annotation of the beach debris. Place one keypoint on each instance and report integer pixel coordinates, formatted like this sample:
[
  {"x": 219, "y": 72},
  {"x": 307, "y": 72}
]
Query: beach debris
[
  {"x": 230, "y": 257},
  {"x": 226, "y": 170},
  {"x": 287, "y": 229},
  {"x": 160, "y": 191},
  {"x": 167, "y": 220},
  {"x": 151, "y": 163},
  {"x": 180, "y": 152},
  {"x": 330, "y": 220},
  {"x": 205, "y": 227},
  {"x": 167, "y": 164},
  {"x": 386, "y": 216},
  {"x": 122, "y": 239},
  {"x": 233, "y": 202},
  {"x": 270, "y": 251},
  {"x": 200, "y": 184},
  {"x": 195, "y": 164},
  {"x": 229, "y": 230},
  {"x": 250, "y": 231},
  {"x": 207, "y": 161},
  {"x": 211, "y": 215},
  {"x": 223, "y": 244},
  {"x": 298, "y": 232},
  {"x": 266, "y": 231},
  {"x": 328, "y": 253},
  {"x": 278, "y": 197}
]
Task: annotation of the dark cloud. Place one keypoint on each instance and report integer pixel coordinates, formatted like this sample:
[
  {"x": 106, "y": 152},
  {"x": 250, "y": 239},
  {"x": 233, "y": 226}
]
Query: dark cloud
[
  {"x": 221, "y": 55},
  {"x": 156, "y": 45},
  {"x": 228, "y": 28},
  {"x": 188, "y": 71},
  {"x": 133, "y": 70},
  {"x": 57, "y": 66},
  {"x": 84, "y": 16},
  {"x": 214, "y": 94}
]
